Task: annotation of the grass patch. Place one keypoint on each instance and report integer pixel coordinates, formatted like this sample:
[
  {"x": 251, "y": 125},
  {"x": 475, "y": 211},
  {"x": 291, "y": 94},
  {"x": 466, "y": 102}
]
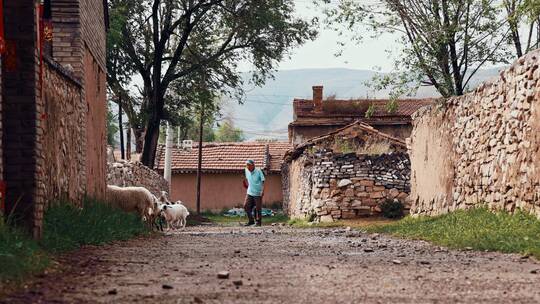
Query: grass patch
[
  {"x": 68, "y": 228},
  {"x": 19, "y": 254},
  {"x": 65, "y": 228},
  {"x": 478, "y": 228}
]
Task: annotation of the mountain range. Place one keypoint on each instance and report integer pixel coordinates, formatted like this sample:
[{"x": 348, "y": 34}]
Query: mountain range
[{"x": 267, "y": 110}]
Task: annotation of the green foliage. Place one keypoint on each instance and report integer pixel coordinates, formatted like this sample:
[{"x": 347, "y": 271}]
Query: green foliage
[
  {"x": 344, "y": 146},
  {"x": 67, "y": 227},
  {"x": 19, "y": 254},
  {"x": 370, "y": 111},
  {"x": 196, "y": 46},
  {"x": 227, "y": 132},
  {"x": 479, "y": 229},
  {"x": 391, "y": 209},
  {"x": 442, "y": 44},
  {"x": 112, "y": 128}
]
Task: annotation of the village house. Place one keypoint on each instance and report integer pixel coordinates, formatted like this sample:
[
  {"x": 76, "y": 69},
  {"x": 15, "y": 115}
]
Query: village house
[
  {"x": 318, "y": 116},
  {"x": 345, "y": 174},
  {"x": 53, "y": 104},
  {"x": 223, "y": 167}
]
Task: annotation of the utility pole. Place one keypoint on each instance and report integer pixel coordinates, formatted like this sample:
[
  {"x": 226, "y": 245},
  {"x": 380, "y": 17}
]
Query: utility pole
[
  {"x": 128, "y": 143},
  {"x": 199, "y": 164},
  {"x": 120, "y": 128},
  {"x": 168, "y": 150}
]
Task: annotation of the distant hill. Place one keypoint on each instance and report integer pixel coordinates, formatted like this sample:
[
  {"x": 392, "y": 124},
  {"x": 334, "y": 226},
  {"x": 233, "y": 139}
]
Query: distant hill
[{"x": 268, "y": 109}]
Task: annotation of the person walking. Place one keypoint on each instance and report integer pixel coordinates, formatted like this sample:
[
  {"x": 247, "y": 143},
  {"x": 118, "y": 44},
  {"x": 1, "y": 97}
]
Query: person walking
[{"x": 254, "y": 182}]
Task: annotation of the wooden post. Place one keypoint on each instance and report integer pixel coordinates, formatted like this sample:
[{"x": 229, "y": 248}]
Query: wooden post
[{"x": 199, "y": 164}]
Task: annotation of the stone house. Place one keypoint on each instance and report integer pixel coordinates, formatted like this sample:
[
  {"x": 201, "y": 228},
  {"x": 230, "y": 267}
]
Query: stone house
[
  {"x": 53, "y": 104},
  {"x": 318, "y": 116},
  {"x": 223, "y": 172},
  {"x": 345, "y": 174}
]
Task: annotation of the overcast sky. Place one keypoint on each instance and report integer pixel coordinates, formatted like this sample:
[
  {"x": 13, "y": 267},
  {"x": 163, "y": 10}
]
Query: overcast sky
[{"x": 320, "y": 53}]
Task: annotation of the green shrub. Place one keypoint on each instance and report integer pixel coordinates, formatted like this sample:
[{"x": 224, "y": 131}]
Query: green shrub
[
  {"x": 391, "y": 209},
  {"x": 67, "y": 227}
]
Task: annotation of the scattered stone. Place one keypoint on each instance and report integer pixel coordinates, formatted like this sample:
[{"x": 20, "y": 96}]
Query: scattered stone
[
  {"x": 535, "y": 271},
  {"x": 113, "y": 291},
  {"x": 397, "y": 262},
  {"x": 166, "y": 286},
  {"x": 368, "y": 249},
  {"x": 237, "y": 251},
  {"x": 424, "y": 262},
  {"x": 223, "y": 275},
  {"x": 197, "y": 300},
  {"x": 238, "y": 282}
]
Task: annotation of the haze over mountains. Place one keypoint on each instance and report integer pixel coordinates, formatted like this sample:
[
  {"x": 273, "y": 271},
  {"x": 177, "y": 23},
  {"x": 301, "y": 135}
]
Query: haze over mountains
[{"x": 268, "y": 109}]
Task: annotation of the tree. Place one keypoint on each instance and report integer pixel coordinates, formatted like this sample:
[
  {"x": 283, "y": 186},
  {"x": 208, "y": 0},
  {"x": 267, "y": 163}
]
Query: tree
[
  {"x": 112, "y": 128},
  {"x": 168, "y": 40},
  {"x": 444, "y": 42},
  {"x": 523, "y": 14},
  {"x": 227, "y": 132}
]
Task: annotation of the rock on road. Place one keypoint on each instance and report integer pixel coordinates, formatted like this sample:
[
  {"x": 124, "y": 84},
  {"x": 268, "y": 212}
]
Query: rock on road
[{"x": 284, "y": 265}]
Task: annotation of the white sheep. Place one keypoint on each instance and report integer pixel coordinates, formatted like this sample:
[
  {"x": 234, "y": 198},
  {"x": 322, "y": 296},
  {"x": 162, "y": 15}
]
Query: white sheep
[
  {"x": 175, "y": 215},
  {"x": 132, "y": 199}
]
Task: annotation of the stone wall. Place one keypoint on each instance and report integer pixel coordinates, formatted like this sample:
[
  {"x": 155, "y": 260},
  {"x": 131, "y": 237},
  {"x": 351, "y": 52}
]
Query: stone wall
[
  {"x": 132, "y": 173},
  {"x": 62, "y": 128},
  {"x": 331, "y": 186},
  {"x": 481, "y": 148}
]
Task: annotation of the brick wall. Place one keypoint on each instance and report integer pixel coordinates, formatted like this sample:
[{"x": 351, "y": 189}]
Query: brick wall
[
  {"x": 482, "y": 148},
  {"x": 67, "y": 37},
  {"x": 79, "y": 43},
  {"x": 20, "y": 116},
  {"x": 93, "y": 30},
  {"x": 96, "y": 133}
]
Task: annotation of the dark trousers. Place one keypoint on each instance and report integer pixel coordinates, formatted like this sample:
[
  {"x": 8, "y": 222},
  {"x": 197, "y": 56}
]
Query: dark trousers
[{"x": 253, "y": 202}]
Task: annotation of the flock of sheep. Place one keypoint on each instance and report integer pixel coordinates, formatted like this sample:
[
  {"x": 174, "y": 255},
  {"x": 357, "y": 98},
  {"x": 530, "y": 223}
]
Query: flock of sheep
[{"x": 153, "y": 210}]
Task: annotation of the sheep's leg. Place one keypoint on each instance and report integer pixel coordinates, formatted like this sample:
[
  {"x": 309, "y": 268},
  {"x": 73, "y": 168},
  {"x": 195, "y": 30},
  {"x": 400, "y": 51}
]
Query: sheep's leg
[{"x": 184, "y": 221}]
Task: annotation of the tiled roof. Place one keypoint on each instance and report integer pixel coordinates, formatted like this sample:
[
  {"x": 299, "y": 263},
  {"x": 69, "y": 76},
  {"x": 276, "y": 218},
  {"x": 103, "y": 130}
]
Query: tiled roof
[
  {"x": 226, "y": 157},
  {"x": 341, "y": 110}
]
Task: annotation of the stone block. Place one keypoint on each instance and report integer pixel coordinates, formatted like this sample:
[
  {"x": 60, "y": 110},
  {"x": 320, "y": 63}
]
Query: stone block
[
  {"x": 369, "y": 183},
  {"x": 376, "y": 195}
]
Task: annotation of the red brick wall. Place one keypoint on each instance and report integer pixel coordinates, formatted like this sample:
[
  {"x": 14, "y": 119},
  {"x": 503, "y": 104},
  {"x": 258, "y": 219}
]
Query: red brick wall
[
  {"x": 20, "y": 114},
  {"x": 79, "y": 41},
  {"x": 96, "y": 148},
  {"x": 93, "y": 29}
]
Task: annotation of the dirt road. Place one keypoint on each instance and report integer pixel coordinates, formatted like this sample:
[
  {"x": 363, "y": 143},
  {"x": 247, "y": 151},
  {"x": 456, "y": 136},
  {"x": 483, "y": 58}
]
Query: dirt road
[{"x": 284, "y": 265}]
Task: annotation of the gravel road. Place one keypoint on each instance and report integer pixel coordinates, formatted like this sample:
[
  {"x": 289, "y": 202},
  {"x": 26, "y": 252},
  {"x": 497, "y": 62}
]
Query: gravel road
[{"x": 283, "y": 265}]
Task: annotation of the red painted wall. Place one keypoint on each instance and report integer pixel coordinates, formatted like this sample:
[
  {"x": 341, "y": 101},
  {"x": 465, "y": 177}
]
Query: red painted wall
[{"x": 220, "y": 191}]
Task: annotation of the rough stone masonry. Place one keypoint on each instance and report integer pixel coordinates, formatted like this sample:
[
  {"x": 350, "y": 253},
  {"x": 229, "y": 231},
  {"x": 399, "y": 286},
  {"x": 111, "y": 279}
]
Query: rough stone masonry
[
  {"x": 482, "y": 148},
  {"x": 331, "y": 186}
]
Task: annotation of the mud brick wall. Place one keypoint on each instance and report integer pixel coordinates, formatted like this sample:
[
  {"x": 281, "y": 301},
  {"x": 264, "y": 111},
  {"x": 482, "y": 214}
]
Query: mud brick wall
[
  {"x": 482, "y": 148},
  {"x": 133, "y": 173},
  {"x": 62, "y": 126},
  {"x": 331, "y": 186}
]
